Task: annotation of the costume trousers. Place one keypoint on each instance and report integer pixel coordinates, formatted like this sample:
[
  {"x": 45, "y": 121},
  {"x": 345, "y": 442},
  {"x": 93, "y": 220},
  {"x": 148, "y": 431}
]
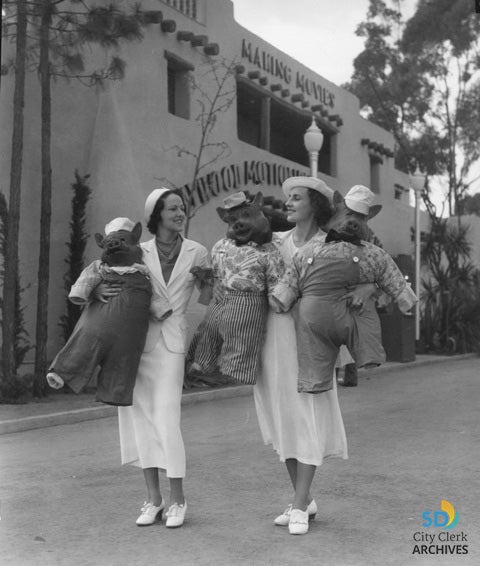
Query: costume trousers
[
  {"x": 325, "y": 322},
  {"x": 233, "y": 336},
  {"x": 108, "y": 337}
]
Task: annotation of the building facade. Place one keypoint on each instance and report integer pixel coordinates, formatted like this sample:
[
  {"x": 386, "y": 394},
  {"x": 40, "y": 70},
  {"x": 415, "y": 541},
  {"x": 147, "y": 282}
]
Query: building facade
[{"x": 146, "y": 131}]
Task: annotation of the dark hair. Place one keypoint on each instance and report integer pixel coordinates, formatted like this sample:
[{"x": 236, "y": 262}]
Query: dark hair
[
  {"x": 322, "y": 210},
  {"x": 155, "y": 217}
]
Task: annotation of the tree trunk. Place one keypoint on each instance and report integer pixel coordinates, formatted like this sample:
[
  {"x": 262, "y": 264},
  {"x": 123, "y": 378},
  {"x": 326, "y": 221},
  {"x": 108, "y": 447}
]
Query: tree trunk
[
  {"x": 41, "y": 336},
  {"x": 11, "y": 255}
]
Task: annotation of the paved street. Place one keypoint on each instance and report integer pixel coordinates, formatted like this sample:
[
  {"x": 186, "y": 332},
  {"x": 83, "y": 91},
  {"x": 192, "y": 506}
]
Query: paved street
[{"x": 414, "y": 439}]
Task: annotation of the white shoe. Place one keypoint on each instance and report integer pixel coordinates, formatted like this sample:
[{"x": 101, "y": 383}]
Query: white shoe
[
  {"x": 54, "y": 380},
  {"x": 283, "y": 519},
  {"x": 176, "y": 515},
  {"x": 298, "y": 524},
  {"x": 150, "y": 512}
]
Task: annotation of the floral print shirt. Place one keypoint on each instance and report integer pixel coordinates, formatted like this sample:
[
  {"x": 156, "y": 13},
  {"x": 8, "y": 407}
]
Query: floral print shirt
[
  {"x": 93, "y": 274},
  {"x": 251, "y": 267},
  {"x": 375, "y": 266}
]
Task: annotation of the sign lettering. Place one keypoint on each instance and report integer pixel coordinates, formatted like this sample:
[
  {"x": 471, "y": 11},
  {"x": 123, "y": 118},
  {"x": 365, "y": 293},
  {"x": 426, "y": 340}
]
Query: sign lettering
[
  {"x": 280, "y": 70},
  {"x": 236, "y": 177}
]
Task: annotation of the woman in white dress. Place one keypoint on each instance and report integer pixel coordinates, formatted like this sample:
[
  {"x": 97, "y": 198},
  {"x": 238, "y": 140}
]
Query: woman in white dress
[
  {"x": 150, "y": 435},
  {"x": 303, "y": 428}
]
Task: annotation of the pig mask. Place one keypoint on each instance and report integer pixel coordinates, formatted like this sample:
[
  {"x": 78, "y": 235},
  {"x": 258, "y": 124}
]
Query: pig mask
[
  {"x": 348, "y": 223},
  {"x": 121, "y": 247},
  {"x": 247, "y": 223}
]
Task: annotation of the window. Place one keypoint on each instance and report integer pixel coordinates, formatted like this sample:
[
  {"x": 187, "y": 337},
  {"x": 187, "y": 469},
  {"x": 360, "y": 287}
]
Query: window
[
  {"x": 375, "y": 163},
  {"x": 178, "y": 85},
  {"x": 286, "y": 133},
  {"x": 249, "y": 104},
  {"x": 276, "y": 126},
  {"x": 399, "y": 192},
  {"x": 187, "y": 7}
]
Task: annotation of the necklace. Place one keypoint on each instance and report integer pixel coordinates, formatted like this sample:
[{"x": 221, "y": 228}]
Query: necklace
[
  {"x": 166, "y": 244},
  {"x": 167, "y": 249}
]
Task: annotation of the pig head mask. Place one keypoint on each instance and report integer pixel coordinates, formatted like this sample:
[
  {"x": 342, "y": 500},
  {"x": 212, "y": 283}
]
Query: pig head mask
[{"x": 246, "y": 221}]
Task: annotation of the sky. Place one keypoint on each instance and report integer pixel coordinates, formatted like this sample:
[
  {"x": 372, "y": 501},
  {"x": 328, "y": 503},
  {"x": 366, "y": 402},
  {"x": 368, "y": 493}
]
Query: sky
[{"x": 318, "y": 33}]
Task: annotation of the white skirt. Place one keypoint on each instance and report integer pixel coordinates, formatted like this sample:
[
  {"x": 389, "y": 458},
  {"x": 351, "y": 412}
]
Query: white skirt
[
  {"x": 307, "y": 427},
  {"x": 150, "y": 435}
]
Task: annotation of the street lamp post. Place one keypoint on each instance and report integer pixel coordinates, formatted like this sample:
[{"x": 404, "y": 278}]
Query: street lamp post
[
  {"x": 417, "y": 181},
  {"x": 313, "y": 140}
]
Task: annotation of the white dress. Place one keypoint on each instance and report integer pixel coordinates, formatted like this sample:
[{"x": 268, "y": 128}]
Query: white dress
[
  {"x": 303, "y": 426},
  {"x": 150, "y": 434}
]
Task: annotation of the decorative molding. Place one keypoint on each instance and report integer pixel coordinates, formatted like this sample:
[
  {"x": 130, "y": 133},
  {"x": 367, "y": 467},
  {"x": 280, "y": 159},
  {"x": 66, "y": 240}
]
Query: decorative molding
[
  {"x": 212, "y": 49},
  {"x": 199, "y": 40},
  {"x": 184, "y": 35},
  {"x": 168, "y": 26},
  {"x": 297, "y": 97}
]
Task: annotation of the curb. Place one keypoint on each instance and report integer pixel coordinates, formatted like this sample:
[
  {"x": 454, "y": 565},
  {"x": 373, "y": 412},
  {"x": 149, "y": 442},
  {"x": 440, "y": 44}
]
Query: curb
[
  {"x": 389, "y": 367},
  {"x": 104, "y": 411}
]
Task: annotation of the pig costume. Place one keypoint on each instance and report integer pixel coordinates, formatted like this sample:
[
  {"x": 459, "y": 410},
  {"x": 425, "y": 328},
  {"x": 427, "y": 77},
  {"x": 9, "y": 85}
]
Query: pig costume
[
  {"x": 320, "y": 273},
  {"x": 150, "y": 435},
  {"x": 108, "y": 336},
  {"x": 233, "y": 332}
]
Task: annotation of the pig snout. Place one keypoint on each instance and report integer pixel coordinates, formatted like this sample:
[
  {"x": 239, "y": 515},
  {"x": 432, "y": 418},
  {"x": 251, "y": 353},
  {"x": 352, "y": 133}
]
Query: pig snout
[
  {"x": 238, "y": 225},
  {"x": 113, "y": 244},
  {"x": 352, "y": 225}
]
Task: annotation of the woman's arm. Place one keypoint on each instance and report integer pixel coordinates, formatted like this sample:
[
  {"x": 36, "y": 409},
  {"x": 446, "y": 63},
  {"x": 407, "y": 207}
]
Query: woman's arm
[
  {"x": 105, "y": 291},
  {"x": 286, "y": 291}
]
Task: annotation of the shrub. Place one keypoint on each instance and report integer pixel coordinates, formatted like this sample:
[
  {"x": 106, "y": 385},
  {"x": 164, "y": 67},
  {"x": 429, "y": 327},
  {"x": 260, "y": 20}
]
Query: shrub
[{"x": 76, "y": 250}]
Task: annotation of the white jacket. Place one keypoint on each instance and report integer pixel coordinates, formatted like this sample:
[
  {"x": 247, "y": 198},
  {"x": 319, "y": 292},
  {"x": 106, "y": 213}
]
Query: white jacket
[{"x": 177, "y": 292}]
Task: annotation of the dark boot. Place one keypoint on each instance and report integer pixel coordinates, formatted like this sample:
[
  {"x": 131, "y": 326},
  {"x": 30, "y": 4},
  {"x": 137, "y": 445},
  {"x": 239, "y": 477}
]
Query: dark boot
[{"x": 350, "y": 376}]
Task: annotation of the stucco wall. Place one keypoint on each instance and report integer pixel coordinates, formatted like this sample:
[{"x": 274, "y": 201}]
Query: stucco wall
[{"x": 124, "y": 137}]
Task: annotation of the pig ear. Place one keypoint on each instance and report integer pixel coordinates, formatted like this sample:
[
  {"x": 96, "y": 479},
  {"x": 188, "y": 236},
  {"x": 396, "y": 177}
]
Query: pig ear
[
  {"x": 258, "y": 200},
  {"x": 137, "y": 232},
  {"x": 223, "y": 214},
  {"x": 374, "y": 210},
  {"x": 99, "y": 239},
  {"x": 337, "y": 199}
]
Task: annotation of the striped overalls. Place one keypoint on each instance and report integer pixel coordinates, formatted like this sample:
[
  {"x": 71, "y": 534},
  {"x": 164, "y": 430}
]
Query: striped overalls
[{"x": 232, "y": 335}]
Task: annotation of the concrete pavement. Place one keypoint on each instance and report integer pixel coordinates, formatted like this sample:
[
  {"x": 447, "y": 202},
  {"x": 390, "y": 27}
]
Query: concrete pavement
[
  {"x": 414, "y": 438},
  {"x": 15, "y": 418}
]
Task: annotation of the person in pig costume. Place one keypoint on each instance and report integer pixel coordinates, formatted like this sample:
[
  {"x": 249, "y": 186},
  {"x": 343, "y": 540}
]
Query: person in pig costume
[
  {"x": 320, "y": 274},
  {"x": 110, "y": 335},
  {"x": 348, "y": 209},
  {"x": 246, "y": 267}
]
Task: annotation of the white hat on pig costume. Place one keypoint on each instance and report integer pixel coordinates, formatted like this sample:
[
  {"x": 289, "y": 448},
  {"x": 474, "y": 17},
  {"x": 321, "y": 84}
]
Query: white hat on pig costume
[
  {"x": 233, "y": 201},
  {"x": 308, "y": 183},
  {"x": 119, "y": 224},
  {"x": 359, "y": 199},
  {"x": 152, "y": 200}
]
